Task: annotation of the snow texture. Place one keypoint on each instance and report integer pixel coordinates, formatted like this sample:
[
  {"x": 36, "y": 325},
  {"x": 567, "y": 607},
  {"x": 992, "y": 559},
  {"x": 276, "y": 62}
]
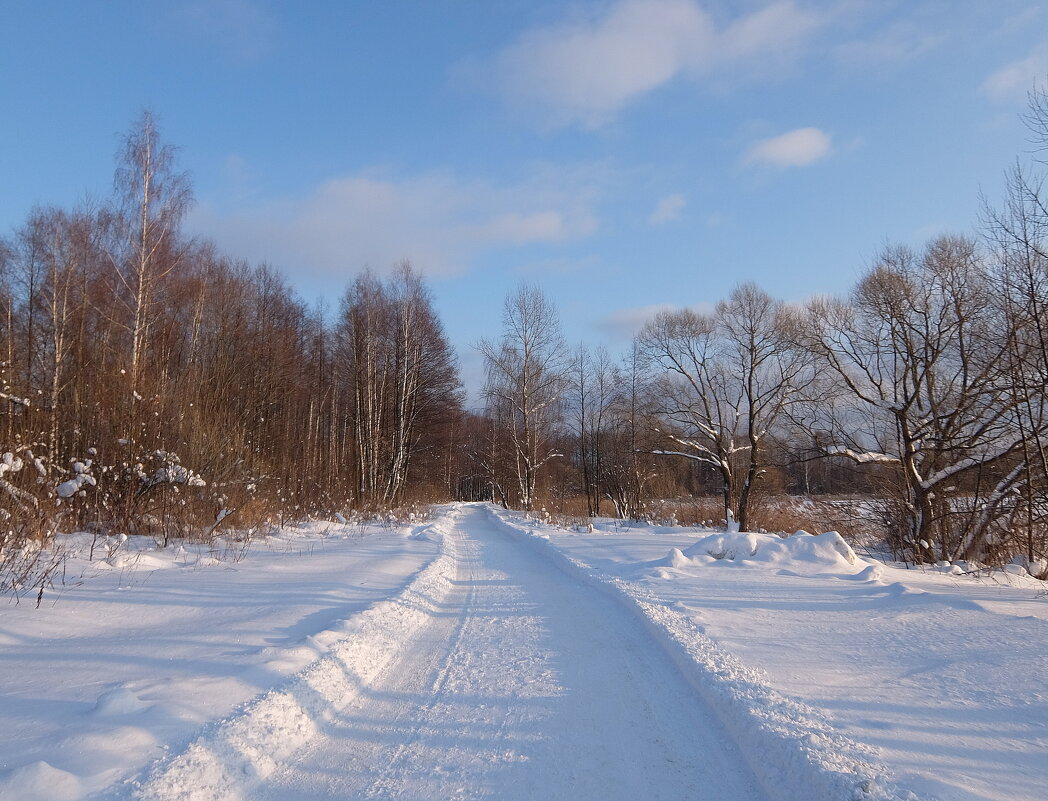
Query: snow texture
[{"x": 938, "y": 674}]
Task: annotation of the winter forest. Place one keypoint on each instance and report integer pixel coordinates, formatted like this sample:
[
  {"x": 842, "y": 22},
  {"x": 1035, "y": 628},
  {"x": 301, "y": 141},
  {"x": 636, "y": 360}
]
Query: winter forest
[{"x": 156, "y": 386}]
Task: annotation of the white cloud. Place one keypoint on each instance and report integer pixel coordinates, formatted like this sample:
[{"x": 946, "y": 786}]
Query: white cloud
[
  {"x": 797, "y": 148},
  {"x": 1026, "y": 19},
  {"x": 558, "y": 265},
  {"x": 438, "y": 221},
  {"x": 586, "y": 72},
  {"x": 1014, "y": 80},
  {"x": 625, "y": 323},
  {"x": 667, "y": 209}
]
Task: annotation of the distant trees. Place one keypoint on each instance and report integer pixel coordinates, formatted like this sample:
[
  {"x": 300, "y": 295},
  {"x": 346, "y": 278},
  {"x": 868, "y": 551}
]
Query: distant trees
[
  {"x": 628, "y": 468},
  {"x": 150, "y": 384},
  {"x": 395, "y": 366},
  {"x": 592, "y": 392},
  {"x": 929, "y": 378}
]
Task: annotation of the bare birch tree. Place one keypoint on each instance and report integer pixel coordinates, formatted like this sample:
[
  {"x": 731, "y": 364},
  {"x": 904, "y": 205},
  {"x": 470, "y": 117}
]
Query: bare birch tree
[
  {"x": 395, "y": 361},
  {"x": 526, "y": 374},
  {"x": 154, "y": 198},
  {"x": 592, "y": 384}
]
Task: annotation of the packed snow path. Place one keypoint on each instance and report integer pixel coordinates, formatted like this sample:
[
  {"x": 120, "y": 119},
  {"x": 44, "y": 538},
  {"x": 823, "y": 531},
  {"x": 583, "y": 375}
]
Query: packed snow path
[{"x": 526, "y": 684}]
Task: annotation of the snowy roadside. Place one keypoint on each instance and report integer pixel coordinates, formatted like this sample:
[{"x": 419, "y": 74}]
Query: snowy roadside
[
  {"x": 143, "y": 649},
  {"x": 842, "y": 679}
]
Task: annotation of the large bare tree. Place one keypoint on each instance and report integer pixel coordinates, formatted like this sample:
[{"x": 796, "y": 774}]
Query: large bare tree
[
  {"x": 922, "y": 350},
  {"x": 727, "y": 379},
  {"x": 154, "y": 197}
]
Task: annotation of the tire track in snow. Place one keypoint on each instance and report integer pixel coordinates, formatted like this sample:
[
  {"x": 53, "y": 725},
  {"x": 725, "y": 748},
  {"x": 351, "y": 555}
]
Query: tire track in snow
[
  {"x": 438, "y": 686},
  {"x": 791, "y": 748},
  {"x": 234, "y": 756}
]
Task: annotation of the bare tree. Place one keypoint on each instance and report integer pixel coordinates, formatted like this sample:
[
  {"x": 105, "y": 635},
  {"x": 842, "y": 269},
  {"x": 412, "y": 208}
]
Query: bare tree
[
  {"x": 526, "y": 382},
  {"x": 66, "y": 246},
  {"x": 153, "y": 198},
  {"x": 592, "y": 385},
  {"x": 728, "y": 378},
  {"x": 922, "y": 351},
  {"x": 1018, "y": 232},
  {"x": 628, "y": 468},
  {"x": 395, "y": 360}
]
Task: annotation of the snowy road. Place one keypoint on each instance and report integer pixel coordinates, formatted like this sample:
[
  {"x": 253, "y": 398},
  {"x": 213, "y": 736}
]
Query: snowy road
[
  {"x": 479, "y": 653},
  {"x": 525, "y": 684}
]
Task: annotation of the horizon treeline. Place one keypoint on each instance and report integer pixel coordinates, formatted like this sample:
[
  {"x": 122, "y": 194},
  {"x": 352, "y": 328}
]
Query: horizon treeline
[{"x": 153, "y": 385}]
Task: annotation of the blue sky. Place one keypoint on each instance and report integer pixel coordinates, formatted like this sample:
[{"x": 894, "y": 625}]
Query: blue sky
[{"x": 625, "y": 155}]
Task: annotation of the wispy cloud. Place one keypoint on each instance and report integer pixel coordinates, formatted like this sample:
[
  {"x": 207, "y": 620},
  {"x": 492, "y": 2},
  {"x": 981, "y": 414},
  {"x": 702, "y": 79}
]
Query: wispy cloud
[
  {"x": 584, "y": 72},
  {"x": 242, "y": 29},
  {"x": 626, "y": 323},
  {"x": 797, "y": 148},
  {"x": 667, "y": 209},
  {"x": 1015, "y": 79},
  {"x": 439, "y": 221},
  {"x": 558, "y": 265},
  {"x": 895, "y": 44}
]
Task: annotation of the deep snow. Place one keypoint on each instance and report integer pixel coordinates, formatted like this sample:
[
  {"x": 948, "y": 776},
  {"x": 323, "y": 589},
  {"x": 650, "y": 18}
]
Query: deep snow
[{"x": 486, "y": 655}]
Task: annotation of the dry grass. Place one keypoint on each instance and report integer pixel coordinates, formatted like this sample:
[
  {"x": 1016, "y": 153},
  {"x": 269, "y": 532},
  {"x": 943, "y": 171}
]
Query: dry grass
[{"x": 861, "y": 520}]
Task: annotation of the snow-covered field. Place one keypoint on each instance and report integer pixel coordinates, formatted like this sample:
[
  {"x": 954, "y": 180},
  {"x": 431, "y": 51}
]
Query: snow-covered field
[{"x": 483, "y": 655}]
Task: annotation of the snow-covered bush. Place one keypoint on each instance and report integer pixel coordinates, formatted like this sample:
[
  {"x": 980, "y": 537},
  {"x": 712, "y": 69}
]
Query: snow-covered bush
[
  {"x": 80, "y": 480},
  {"x": 28, "y": 558}
]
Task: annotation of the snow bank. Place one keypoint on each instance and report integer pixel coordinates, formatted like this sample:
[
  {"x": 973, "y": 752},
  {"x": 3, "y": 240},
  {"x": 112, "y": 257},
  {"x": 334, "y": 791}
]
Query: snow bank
[
  {"x": 804, "y": 551},
  {"x": 791, "y": 747},
  {"x": 234, "y": 756}
]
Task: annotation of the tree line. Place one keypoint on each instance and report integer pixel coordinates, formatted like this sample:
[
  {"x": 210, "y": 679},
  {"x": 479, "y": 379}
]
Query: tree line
[
  {"x": 153, "y": 385},
  {"x": 924, "y": 389}
]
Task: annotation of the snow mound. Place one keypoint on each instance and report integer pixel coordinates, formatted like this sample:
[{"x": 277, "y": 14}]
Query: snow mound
[
  {"x": 802, "y": 550},
  {"x": 675, "y": 558},
  {"x": 731, "y": 545},
  {"x": 40, "y": 781},
  {"x": 119, "y": 701},
  {"x": 871, "y": 574},
  {"x": 139, "y": 560}
]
